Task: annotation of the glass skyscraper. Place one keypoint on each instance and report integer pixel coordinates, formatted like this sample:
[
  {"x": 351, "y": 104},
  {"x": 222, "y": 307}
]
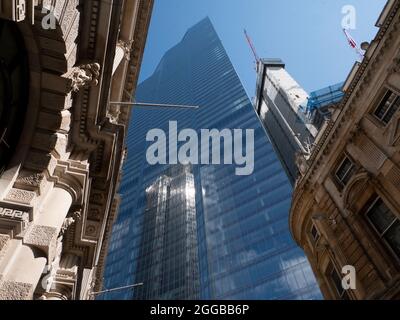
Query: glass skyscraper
[{"x": 241, "y": 247}]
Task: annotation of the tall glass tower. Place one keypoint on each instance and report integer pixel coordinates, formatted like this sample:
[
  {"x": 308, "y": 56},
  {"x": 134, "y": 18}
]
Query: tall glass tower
[{"x": 243, "y": 247}]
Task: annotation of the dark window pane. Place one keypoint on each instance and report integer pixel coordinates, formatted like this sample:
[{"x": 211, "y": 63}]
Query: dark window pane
[
  {"x": 345, "y": 296},
  {"x": 345, "y": 171},
  {"x": 337, "y": 281},
  {"x": 392, "y": 111},
  {"x": 314, "y": 233},
  {"x": 380, "y": 216},
  {"x": 384, "y": 106},
  {"x": 387, "y": 107},
  {"x": 392, "y": 236},
  {"x": 348, "y": 175}
]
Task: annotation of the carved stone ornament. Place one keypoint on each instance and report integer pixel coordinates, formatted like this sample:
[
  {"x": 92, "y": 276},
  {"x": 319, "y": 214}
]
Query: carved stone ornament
[
  {"x": 20, "y": 196},
  {"x": 395, "y": 66},
  {"x": 33, "y": 180},
  {"x": 84, "y": 76},
  {"x": 69, "y": 221},
  {"x": 66, "y": 224},
  {"x": 127, "y": 47}
]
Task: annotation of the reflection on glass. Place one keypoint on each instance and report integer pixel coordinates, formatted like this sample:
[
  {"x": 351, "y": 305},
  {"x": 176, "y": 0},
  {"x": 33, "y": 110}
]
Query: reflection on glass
[{"x": 168, "y": 262}]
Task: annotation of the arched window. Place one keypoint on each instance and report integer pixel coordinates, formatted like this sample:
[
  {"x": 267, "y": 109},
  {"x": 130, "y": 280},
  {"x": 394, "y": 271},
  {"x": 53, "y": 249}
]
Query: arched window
[{"x": 14, "y": 82}]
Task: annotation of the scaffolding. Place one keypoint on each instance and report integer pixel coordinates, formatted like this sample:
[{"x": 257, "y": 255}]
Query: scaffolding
[
  {"x": 317, "y": 109},
  {"x": 325, "y": 97}
]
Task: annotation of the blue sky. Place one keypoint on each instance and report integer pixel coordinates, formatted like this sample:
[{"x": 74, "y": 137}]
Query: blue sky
[{"x": 306, "y": 34}]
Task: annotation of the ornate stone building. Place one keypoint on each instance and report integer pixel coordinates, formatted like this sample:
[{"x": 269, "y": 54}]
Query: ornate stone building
[
  {"x": 61, "y": 142},
  {"x": 346, "y": 205}
]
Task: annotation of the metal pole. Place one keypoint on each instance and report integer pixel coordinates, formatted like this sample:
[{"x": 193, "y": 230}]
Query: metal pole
[
  {"x": 117, "y": 289},
  {"x": 139, "y": 104}
]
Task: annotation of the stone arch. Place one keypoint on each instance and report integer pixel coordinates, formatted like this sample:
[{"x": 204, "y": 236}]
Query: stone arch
[
  {"x": 14, "y": 78},
  {"x": 356, "y": 187},
  {"x": 45, "y": 132}
]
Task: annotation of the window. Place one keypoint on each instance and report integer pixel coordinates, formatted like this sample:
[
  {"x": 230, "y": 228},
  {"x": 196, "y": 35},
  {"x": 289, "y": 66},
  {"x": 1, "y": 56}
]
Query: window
[
  {"x": 386, "y": 224},
  {"x": 336, "y": 281},
  {"x": 388, "y": 107},
  {"x": 345, "y": 171},
  {"x": 314, "y": 233}
]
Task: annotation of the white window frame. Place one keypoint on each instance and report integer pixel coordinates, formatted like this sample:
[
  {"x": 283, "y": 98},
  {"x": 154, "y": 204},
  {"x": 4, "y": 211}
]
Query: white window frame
[
  {"x": 380, "y": 104},
  {"x": 353, "y": 165}
]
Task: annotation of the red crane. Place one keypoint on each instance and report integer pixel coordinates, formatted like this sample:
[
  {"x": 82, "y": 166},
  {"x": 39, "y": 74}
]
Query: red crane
[{"x": 253, "y": 48}]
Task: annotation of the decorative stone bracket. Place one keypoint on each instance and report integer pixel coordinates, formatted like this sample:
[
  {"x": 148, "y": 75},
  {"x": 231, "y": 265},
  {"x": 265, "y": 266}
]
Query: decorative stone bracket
[
  {"x": 126, "y": 46},
  {"x": 44, "y": 238},
  {"x": 83, "y": 76}
]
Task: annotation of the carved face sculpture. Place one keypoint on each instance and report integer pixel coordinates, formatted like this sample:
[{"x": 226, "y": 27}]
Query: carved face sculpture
[{"x": 14, "y": 82}]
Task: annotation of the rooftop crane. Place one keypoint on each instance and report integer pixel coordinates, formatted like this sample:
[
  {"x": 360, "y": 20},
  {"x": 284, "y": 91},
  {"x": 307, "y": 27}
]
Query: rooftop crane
[{"x": 253, "y": 49}]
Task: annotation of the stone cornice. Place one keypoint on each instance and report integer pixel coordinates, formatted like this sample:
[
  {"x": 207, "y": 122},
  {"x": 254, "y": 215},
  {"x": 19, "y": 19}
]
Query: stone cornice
[{"x": 136, "y": 56}]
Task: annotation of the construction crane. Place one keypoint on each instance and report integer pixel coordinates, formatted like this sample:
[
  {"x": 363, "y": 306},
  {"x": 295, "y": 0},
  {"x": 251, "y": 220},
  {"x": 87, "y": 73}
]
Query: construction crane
[{"x": 253, "y": 49}]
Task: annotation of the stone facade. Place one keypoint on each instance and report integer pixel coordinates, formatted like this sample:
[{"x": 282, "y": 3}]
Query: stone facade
[
  {"x": 346, "y": 204},
  {"x": 58, "y": 190}
]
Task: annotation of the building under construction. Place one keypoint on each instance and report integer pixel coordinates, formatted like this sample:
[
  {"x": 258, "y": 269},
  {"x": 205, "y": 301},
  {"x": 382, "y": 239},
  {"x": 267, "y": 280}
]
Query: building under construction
[
  {"x": 321, "y": 102},
  {"x": 280, "y": 102}
]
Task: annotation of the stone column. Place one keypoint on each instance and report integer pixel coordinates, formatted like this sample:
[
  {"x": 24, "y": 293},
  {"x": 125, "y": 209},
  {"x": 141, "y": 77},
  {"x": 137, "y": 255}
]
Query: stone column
[
  {"x": 122, "y": 51},
  {"x": 44, "y": 233},
  {"x": 64, "y": 281},
  {"x": 23, "y": 273},
  {"x": 55, "y": 209},
  {"x": 119, "y": 55},
  {"x": 37, "y": 248}
]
